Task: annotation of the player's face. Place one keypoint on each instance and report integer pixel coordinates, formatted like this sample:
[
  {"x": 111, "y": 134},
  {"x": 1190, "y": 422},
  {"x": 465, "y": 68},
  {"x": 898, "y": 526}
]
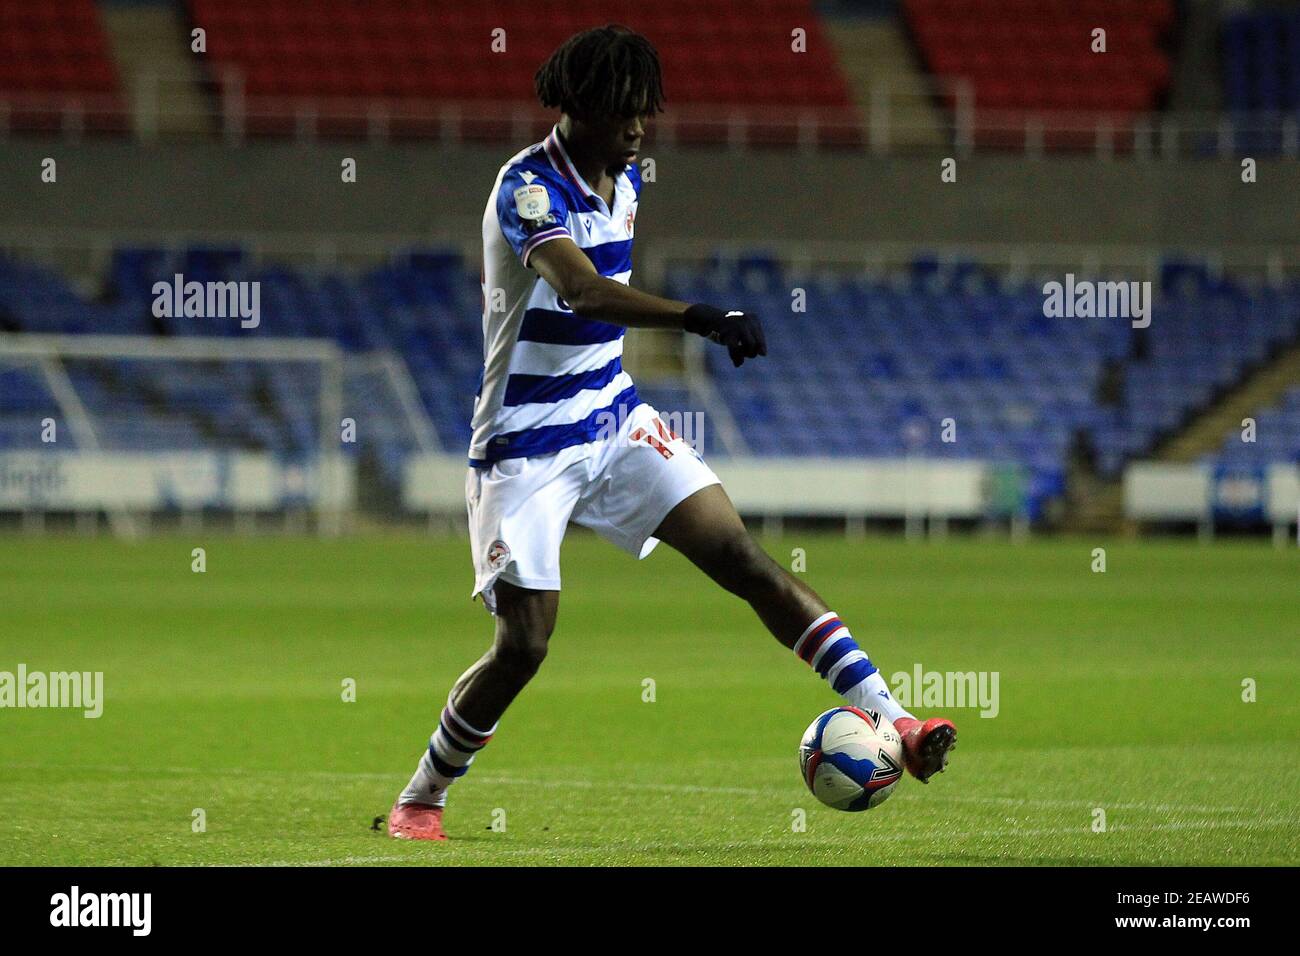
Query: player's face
[{"x": 618, "y": 142}]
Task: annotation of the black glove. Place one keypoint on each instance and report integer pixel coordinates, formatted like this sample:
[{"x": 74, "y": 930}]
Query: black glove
[{"x": 740, "y": 332}]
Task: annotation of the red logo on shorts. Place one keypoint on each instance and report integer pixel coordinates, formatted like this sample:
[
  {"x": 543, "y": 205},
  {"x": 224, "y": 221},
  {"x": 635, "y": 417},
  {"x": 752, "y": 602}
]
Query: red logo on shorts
[
  {"x": 659, "y": 444},
  {"x": 498, "y": 554}
]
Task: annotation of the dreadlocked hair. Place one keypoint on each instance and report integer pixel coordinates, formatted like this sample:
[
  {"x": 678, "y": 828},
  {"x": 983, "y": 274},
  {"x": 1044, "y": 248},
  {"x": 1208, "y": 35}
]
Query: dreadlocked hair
[{"x": 608, "y": 72}]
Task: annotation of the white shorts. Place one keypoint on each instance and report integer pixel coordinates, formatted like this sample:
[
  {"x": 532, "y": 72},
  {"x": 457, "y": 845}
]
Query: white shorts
[{"x": 622, "y": 488}]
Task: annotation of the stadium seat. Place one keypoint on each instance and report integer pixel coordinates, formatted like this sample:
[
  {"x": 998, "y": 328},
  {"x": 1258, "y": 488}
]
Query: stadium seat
[
  {"x": 1031, "y": 61},
  {"x": 55, "y": 59},
  {"x": 409, "y": 60},
  {"x": 885, "y": 362}
]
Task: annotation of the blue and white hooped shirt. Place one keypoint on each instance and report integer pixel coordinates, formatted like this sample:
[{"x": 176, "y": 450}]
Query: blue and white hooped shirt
[{"x": 551, "y": 378}]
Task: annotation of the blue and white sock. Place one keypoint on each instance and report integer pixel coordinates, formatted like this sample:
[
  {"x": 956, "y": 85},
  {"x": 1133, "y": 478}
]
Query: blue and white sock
[
  {"x": 829, "y": 648},
  {"x": 452, "y": 749}
]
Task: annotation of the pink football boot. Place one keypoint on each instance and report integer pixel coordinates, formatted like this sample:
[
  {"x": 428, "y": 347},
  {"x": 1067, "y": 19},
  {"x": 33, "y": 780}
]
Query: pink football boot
[
  {"x": 926, "y": 745},
  {"x": 415, "y": 821}
]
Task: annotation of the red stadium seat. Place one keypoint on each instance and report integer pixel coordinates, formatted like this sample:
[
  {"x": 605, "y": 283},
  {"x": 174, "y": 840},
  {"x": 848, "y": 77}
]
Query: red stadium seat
[
  {"x": 1034, "y": 58},
  {"x": 54, "y": 58},
  {"x": 415, "y": 58}
]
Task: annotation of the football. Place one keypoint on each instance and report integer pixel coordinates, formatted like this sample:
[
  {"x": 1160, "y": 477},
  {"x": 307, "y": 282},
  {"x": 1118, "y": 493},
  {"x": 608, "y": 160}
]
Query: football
[{"x": 851, "y": 759}]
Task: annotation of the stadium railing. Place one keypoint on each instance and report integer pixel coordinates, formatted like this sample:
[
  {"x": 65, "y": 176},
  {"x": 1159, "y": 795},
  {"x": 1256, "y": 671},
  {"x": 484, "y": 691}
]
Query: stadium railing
[
  {"x": 884, "y": 129},
  {"x": 88, "y": 251}
]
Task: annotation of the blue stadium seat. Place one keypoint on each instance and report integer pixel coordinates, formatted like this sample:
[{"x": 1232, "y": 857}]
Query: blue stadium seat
[{"x": 856, "y": 374}]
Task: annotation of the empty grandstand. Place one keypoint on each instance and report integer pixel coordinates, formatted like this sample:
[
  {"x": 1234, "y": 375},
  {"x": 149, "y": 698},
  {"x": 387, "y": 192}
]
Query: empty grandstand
[{"x": 205, "y": 140}]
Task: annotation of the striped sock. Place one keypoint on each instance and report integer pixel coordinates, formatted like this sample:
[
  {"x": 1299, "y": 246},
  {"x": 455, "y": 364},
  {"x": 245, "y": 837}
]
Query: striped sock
[
  {"x": 451, "y": 750},
  {"x": 829, "y": 648}
]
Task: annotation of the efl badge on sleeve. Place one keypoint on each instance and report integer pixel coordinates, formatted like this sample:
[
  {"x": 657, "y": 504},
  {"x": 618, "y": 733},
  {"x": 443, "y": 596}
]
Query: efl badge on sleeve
[{"x": 532, "y": 202}]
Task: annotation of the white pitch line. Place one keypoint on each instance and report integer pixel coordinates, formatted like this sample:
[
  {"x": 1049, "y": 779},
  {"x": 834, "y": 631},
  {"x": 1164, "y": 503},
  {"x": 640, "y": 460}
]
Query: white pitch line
[
  {"x": 958, "y": 798},
  {"x": 656, "y": 787},
  {"x": 788, "y": 845},
  {"x": 1089, "y": 804},
  {"x": 621, "y": 785}
]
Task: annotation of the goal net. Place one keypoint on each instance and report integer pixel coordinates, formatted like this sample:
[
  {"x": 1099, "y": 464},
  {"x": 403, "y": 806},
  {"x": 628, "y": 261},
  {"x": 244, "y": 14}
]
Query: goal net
[{"x": 139, "y": 428}]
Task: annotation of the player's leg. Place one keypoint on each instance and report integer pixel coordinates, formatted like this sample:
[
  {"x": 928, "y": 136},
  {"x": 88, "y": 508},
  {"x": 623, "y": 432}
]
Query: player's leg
[
  {"x": 518, "y": 510},
  {"x": 525, "y": 619},
  {"x": 707, "y": 530}
]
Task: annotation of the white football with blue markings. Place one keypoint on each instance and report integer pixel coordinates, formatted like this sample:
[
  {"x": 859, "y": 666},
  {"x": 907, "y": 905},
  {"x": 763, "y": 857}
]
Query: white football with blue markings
[{"x": 851, "y": 759}]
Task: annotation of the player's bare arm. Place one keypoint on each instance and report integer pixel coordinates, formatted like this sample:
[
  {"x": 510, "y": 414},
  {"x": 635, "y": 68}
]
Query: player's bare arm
[{"x": 564, "y": 267}]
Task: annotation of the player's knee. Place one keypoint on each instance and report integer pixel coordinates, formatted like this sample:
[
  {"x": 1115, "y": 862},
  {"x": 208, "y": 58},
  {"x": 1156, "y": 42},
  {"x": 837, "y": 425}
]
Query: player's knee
[
  {"x": 742, "y": 567},
  {"x": 525, "y": 620},
  {"x": 520, "y": 652}
]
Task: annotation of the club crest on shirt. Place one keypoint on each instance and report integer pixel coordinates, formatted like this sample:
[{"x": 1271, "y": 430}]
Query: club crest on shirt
[
  {"x": 498, "y": 555},
  {"x": 631, "y": 218}
]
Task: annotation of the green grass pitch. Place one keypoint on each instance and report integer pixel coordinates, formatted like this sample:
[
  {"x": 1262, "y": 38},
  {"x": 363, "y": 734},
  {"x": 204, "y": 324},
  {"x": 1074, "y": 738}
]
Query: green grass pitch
[{"x": 1120, "y": 691}]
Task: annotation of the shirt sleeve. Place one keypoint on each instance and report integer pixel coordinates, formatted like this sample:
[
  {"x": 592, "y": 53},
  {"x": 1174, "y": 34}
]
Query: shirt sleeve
[{"x": 530, "y": 213}]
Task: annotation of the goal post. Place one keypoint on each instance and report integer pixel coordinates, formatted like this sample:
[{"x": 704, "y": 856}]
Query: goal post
[{"x": 173, "y": 424}]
